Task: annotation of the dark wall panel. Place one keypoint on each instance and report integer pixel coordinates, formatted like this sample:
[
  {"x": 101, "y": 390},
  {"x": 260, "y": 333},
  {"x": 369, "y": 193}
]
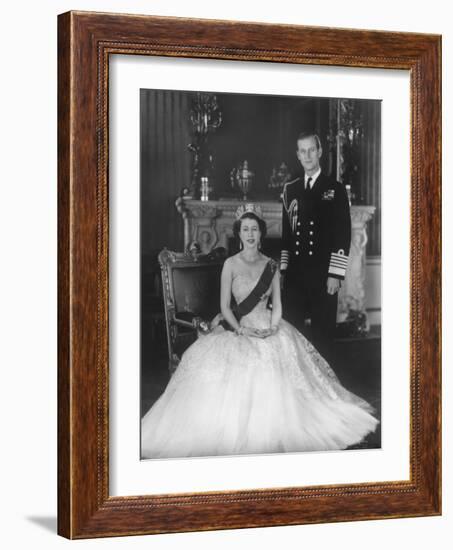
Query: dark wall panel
[{"x": 165, "y": 167}]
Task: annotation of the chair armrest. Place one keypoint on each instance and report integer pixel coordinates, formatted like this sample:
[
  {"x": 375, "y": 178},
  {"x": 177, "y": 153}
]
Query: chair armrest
[
  {"x": 188, "y": 320},
  {"x": 182, "y": 323}
]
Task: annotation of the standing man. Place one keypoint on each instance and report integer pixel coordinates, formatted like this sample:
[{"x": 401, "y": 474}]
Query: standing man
[{"x": 316, "y": 236}]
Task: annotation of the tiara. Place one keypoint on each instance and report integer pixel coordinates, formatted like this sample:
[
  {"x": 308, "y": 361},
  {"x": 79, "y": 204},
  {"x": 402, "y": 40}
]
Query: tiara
[{"x": 249, "y": 207}]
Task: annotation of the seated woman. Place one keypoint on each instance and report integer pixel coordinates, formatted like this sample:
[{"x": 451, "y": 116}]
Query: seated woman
[{"x": 259, "y": 387}]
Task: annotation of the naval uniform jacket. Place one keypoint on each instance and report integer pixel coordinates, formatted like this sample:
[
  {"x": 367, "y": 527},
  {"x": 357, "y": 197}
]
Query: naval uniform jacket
[{"x": 316, "y": 228}]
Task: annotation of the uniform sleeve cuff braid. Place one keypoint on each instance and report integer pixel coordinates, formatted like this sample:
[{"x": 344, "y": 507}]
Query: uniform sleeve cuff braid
[
  {"x": 338, "y": 264},
  {"x": 284, "y": 260}
]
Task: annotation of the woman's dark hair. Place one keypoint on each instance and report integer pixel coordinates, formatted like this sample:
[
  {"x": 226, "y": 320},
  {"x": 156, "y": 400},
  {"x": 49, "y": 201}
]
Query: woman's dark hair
[{"x": 251, "y": 216}]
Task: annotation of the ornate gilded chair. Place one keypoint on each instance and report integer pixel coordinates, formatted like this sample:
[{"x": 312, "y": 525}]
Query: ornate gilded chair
[{"x": 191, "y": 290}]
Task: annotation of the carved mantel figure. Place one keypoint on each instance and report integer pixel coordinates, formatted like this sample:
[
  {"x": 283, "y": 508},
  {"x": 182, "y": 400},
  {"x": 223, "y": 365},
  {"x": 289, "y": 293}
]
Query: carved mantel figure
[{"x": 352, "y": 293}]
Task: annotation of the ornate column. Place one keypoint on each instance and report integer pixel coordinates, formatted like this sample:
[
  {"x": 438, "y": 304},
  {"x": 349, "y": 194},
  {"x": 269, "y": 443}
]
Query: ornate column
[{"x": 351, "y": 298}]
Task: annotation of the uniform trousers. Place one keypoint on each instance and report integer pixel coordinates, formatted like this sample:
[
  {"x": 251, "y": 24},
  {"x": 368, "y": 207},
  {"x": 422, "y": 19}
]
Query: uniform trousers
[{"x": 305, "y": 297}]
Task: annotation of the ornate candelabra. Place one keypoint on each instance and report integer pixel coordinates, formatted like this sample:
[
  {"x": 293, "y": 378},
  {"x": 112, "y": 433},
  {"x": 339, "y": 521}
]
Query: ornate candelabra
[
  {"x": 243, "y": 178},
  {"x": 279, "y": 177},
  {"x": 206, "y": 117},
  {"x": 345, "y": 138}
]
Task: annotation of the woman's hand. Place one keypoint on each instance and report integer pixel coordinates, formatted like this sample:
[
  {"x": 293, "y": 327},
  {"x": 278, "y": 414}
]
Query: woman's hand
[
  {"x": 253, "y": 332},
  {"x": 248, "y": 331},
  {"x": 258, "y": 333},
  {"x": 265, "y": 333}
]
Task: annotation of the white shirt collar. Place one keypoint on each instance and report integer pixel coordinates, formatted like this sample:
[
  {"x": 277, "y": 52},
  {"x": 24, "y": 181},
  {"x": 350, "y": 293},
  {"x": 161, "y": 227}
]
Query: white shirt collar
[{"x": 314, "y": 177}]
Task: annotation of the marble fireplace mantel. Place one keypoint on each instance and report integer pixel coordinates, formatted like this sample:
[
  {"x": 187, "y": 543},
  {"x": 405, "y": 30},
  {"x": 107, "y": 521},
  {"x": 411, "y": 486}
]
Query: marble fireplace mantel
[{"x": 210, "y": 224}]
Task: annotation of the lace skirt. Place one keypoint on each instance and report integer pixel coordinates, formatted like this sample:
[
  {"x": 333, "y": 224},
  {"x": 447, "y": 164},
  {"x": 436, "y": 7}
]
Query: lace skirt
[{"x": 235, "y": 395}]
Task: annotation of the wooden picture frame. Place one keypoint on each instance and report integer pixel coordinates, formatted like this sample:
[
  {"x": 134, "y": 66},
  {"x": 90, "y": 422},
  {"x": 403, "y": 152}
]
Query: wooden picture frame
[{"x": 85, "y": 41}]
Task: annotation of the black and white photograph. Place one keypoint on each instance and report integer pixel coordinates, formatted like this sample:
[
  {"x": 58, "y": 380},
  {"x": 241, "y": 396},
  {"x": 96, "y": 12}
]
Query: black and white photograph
[
  {"x": 226, "y": 287},
  {"x": 260, "y": 268}
]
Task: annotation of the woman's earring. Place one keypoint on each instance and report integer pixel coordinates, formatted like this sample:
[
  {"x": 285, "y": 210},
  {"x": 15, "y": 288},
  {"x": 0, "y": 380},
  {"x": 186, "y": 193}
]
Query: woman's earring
[{"x": 241, "y": 245}]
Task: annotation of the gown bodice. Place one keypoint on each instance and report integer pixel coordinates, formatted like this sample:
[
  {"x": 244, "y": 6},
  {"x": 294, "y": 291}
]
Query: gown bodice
[{"x": 260, "y": 316}]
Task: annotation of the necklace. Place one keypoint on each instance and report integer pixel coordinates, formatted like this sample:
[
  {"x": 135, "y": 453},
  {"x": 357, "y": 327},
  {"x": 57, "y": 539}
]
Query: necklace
[{"x": 250, "y": 261}]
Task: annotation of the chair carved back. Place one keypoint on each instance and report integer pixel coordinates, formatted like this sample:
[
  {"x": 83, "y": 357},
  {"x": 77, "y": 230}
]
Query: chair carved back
[{"x": 191, "y": 291}]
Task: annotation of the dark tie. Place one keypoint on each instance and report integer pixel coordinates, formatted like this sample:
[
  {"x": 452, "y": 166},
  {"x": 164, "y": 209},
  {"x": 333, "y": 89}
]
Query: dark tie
[{"x": 307, "y": 185}]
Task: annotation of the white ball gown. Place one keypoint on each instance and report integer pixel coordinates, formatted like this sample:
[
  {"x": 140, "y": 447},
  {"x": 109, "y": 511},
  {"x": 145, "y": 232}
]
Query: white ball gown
[{"x": 237, "y": 395}]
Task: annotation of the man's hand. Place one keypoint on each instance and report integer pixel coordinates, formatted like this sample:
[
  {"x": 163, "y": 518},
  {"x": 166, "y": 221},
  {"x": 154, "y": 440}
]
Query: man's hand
[{"x": 333, "y": 285}]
